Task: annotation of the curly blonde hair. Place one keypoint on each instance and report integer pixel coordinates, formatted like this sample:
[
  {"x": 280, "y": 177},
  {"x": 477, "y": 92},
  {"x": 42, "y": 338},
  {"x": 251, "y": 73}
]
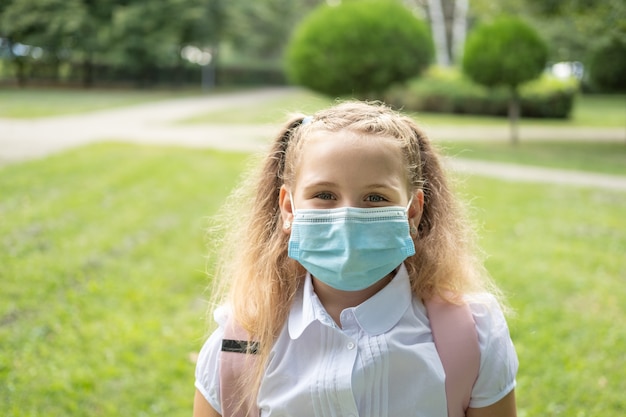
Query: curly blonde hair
[{"x": 257, "y": 278}]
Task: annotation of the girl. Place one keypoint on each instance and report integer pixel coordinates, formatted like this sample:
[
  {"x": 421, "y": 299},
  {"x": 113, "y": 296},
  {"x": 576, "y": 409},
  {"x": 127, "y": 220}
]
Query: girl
[{"x": 330, "y": 283}]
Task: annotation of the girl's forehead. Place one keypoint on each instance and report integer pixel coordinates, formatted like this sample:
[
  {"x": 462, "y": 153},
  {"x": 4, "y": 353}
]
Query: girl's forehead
[
  {"x": 346, "y": 151},
  {"x": 347, "y": 138}
]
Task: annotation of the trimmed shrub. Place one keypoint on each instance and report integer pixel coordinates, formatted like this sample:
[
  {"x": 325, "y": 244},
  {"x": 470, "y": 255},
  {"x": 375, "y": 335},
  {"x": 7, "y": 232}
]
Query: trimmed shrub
[
  {"x": 505, "y": 52},
  {"x": 358, "y": 48},
  {"x": 608, "y": 65},
  {"x": 549, "y": 97},
  {"x": 442, "y": 90}
]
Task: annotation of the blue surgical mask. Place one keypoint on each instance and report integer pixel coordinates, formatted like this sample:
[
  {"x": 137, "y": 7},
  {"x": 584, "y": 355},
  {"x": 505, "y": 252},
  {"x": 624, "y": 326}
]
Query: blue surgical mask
[{"x": 350, "y": 248}]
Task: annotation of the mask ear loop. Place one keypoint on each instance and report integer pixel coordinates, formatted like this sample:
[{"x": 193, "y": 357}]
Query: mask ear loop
[
  {"x": 293, "y": 204},
  {"x": 406, "y": 209}
]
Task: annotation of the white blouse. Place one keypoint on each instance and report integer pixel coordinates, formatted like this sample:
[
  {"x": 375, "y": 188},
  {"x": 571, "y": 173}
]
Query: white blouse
[{"x": 381, "y": 362}]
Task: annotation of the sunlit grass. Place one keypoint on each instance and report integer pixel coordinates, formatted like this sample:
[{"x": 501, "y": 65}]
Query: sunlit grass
[
  {"x": 102, "y": 273},
  {"x": 602, "y": 157},
  {"x": 600, "y": 110},
  {"x": 274, "y": 111},
  {"x": 38, "y": 102},
  {"x": 558, "y": 254},
  {"x": 102, "y": 260}
]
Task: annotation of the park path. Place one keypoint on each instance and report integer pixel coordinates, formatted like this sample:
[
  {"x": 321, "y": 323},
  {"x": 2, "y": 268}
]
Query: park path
[{"x": 155, "y": 123}]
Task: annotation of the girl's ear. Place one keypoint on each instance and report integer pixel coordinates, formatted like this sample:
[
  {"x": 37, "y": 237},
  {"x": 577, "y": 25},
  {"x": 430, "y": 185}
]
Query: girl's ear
[
  {"x": 417, "y": 206},
  {"x": 286, "y": 208}
]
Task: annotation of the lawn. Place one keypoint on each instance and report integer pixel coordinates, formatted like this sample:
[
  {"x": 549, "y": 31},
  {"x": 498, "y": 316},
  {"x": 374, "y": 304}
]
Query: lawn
[
  {"x": 102, "y": 278},
  {"x": 594, "y": 156},
  {"x": 37, "y": 102}
]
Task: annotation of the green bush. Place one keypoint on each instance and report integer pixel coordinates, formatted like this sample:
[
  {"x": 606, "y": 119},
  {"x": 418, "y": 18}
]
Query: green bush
[
  {"x": 358, "y": 48},
  {"x": 504, "y": 52},
  {"x": 442, "y": 90},
  {"x": 608, "y": 65}
]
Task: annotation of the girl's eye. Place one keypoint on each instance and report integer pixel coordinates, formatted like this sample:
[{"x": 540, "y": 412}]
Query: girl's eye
[
  {"x": 375, "y": 198},
  {"x": 324, "y": 196}
]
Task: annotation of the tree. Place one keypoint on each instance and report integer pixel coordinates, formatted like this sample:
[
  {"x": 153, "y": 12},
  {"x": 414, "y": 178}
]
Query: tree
[
  {"x": 448, "y": 24},
  {"x": 133, "y": 35},
  {"x": 573, "y": 29},
  {"x": 358, "y": 48},
  {"x": 505, "y": 52},
  {"x": 439, "y": 31},
  {"x": 459, "y": 28},
  {"x": 259, "y": 30},
  {"x": 46, "y": 26},
  {"x": 608, "y": 65}
]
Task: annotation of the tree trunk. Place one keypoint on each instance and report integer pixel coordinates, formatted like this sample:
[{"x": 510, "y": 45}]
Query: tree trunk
[
  {"x": 514, "y": 115},
  {"x": 459, "y": 29},
  {"x": 438, "y": 27},
  {"x": 88, "y": 70}
]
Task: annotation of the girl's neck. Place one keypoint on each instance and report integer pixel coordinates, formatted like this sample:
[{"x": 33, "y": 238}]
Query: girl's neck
[{"x": 335, "y": 301}]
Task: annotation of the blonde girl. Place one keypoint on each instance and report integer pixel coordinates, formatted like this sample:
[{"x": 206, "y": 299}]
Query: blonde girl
[{"x": 349, "y": 229}]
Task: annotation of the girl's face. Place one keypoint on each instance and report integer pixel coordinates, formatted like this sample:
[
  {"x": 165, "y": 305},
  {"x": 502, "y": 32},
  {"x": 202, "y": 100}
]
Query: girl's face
[{"x": 347, "y": 169}]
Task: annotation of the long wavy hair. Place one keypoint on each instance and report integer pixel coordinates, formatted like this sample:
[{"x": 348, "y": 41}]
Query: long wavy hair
[{"x": 257, "y": 278}]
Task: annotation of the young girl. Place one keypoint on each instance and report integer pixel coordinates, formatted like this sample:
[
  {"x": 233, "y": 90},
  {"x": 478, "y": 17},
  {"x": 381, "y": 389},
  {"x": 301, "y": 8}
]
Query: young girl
[{"x": 350, "y": 240}]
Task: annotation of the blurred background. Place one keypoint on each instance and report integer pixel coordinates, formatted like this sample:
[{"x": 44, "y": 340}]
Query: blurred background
[{"x": 163, "y": 43}]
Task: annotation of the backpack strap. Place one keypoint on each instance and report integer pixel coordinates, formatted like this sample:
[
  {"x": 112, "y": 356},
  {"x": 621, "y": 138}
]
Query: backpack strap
[
  {"x": 456, "y": 341},
  {"x": 454, "y": 334},
  {"x": 237, "y": 354}
]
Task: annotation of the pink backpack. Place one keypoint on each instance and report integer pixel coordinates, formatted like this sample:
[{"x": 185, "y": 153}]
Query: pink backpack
[{"x": 454, "y": 334}]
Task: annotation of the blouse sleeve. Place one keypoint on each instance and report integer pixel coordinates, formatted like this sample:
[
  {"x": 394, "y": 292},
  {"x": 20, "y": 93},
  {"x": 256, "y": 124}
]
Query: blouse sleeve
[
  {"x": 207, "y": 367},
  {"x": 498, "y": 359}
]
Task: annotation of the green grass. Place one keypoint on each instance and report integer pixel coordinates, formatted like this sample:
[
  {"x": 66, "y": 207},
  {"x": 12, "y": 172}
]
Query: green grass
[
  {"x": 274, "y": 111},
  {"x": 36, "y": 102},
  {"x": 102, "y": 260},
  {"x": 600, "y": 110},
  {"x": 102, "y": 276},
  {"x": 601, "y": 157},
  {"x": 558, "y": 252}
]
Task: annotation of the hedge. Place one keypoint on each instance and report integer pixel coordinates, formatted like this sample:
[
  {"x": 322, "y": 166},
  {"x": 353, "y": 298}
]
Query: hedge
[{"x": 448, "y": 91}]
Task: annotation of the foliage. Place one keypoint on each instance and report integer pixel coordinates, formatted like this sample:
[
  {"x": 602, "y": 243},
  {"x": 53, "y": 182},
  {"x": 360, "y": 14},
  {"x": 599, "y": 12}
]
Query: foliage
[
  {"x": 358, "y": 48},
  {"x": 133, "y": 34},
  {"x": 504, "y": 52},
  {"x": 448, "y": 91},
  {"x": 573, "y": 29},
  {"x": 260, "y": 29},
  {"x": 21, "y": 22},
  {"x": 82, "y": 39},
  {"x": 102, "y": 268},
  {"x": 608, "y": 65}
]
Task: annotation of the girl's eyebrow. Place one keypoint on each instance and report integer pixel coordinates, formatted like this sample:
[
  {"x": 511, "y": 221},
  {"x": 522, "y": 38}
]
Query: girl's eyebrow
[
  {"x": 318, "y": 184},
  {"x": 377, "y": 185}
]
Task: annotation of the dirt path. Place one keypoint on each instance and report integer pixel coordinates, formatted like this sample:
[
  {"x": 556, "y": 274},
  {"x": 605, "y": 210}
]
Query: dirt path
[{"x": 155, "y": 123}]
